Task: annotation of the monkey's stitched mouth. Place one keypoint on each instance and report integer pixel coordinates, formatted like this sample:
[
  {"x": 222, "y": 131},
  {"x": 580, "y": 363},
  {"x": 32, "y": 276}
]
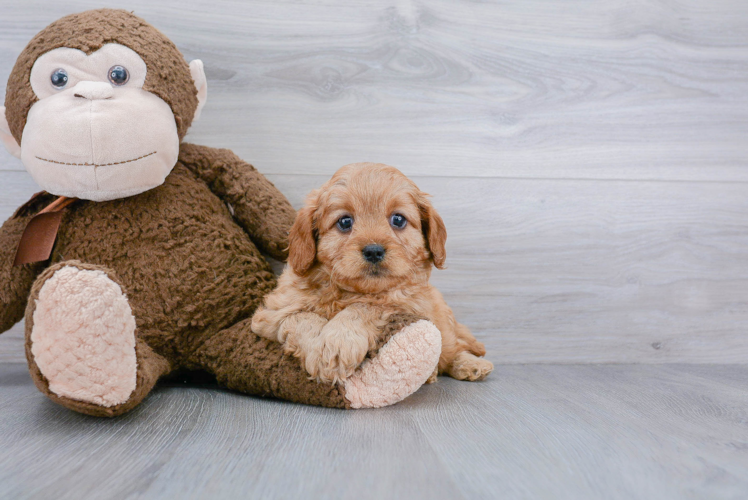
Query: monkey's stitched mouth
[{"x": 96, "y": 164}]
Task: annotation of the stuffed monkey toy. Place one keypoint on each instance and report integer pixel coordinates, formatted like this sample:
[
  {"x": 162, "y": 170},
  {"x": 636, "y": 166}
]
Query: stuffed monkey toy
[{"x": 141, "y": 256}]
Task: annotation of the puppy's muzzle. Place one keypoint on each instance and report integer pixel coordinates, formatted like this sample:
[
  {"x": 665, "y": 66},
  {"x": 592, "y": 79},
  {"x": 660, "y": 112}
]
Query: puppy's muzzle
[{"x": 373, "y": 253}]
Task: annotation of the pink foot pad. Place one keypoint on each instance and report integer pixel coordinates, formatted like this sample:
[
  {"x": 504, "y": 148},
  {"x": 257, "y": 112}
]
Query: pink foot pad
[
  {"x": 83, "y": 337},
  {"x": 399, "y": 369}
]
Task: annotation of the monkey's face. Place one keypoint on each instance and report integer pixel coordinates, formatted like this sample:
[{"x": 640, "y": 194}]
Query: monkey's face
[{"x": 95, "y": 133}]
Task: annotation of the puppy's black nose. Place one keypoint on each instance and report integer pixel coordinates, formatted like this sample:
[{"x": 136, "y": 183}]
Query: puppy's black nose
[{"x": 373, "y": 253}]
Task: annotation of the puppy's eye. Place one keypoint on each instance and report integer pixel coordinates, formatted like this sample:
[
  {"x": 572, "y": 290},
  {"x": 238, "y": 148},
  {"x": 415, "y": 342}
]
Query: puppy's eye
[
  {"x": 345, "y": 223},
  {"x": 399, "y": 221},
  {"x": 118, "y": 75},
  {"x": 59, "y": 78}
]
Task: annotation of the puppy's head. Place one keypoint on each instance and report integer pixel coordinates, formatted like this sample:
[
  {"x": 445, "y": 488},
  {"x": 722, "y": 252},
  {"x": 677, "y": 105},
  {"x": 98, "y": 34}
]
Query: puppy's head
[{"x": 368, "y": 229}]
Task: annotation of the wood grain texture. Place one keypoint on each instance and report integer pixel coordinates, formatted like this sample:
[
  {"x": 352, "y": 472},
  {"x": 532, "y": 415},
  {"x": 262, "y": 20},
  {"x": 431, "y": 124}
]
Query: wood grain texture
[
  {"x": 589, "y": 158},
  {"x": 655, "y": 89},
  {"x": 528, "y": 431},
  {"x": 590, "y": 161},
  {"x": 576, "y": 271}
]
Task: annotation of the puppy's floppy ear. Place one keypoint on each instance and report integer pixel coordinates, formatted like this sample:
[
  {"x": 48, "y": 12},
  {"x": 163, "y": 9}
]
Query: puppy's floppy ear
[
  {"x": 302, "y": 243},
  {"x": 434, "y": 231}
]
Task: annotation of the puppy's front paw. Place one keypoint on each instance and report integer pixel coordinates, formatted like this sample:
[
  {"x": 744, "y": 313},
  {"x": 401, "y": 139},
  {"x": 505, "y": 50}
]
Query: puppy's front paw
[
  {"x": 467, "y": 366},
  {"x": 264, "y": 324},
  {"x": 300, "y": 332},
  {"x": 339, "y": 351}
]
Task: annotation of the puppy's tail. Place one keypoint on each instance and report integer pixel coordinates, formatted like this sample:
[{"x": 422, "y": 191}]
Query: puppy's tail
[
  {"x": 473, "y": 345},
  {"x": 477, "y": 348}
]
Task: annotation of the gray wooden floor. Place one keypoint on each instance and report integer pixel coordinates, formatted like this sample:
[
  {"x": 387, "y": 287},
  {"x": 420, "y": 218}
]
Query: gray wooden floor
[
  {"x": 590, "y": 160},
  {"x": 529, "y": 431}
]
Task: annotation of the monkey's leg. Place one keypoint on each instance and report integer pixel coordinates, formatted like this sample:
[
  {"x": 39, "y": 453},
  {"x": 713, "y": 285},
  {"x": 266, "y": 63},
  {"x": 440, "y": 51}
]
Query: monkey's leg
[
  {"x": 82, "y": 342},
  {"x": 405, "y": 357}
]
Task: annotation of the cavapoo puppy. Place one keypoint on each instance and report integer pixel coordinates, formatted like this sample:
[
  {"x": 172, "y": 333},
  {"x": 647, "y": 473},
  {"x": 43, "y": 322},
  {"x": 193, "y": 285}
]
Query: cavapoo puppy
[{"x": 360, "y": 251}]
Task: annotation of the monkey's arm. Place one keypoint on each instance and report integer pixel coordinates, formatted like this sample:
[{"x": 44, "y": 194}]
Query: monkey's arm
[
  {"x": 15, "y": 282},
  {"x": 258, "y": 206}
]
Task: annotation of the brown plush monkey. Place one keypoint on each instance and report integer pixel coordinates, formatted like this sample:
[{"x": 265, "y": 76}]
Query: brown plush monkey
[{"x": 150, "y": 271}]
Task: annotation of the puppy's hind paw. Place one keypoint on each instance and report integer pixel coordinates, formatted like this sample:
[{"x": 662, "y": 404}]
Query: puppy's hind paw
[{"x": 467, "y": 366}]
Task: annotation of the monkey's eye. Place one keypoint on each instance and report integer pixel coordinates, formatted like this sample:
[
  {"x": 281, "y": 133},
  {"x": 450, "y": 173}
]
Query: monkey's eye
[
  {"x": 345, "y": 223},
  {"x": 399, "y": 221},
  {"x": 59, "y": 78},
  {"x": 118, "y": 75}
]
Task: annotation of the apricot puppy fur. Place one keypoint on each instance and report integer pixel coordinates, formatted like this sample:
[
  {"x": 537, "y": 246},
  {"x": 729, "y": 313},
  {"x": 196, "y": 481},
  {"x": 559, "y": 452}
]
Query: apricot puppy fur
[{"x": 361, "y": 250}]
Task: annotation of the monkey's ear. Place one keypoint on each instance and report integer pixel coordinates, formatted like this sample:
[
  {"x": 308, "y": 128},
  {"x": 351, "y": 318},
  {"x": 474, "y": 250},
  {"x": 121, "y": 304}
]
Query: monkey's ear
[
  {"x": 6, "y": 137},
  {"x": 201, "y": 84}
]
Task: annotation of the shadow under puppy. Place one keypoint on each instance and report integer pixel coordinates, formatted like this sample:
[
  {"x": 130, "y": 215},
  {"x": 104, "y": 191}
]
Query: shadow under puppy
[{"x": 360, "y": 251}]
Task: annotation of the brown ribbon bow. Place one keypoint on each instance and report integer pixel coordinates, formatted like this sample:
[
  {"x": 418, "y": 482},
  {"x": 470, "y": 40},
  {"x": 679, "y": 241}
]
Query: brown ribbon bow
[{"x": 40, "y": 234}]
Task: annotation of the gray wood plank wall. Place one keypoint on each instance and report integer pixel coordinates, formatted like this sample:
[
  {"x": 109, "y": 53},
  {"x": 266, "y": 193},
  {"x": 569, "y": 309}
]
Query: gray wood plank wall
[{"x": 590, "y": 159}]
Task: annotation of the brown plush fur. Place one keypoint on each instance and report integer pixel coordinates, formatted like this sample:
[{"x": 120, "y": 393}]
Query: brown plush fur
[
  {"x": 330, "y": 303},
  {"x": 151, "y": 366},
  {"x": 186, "y": 253},
  {"x": 168, "y": 73},
  {"x": 187, "y": 317},
  {"x": 189, "y": 270},
  {"x": 240, "y": 360}
]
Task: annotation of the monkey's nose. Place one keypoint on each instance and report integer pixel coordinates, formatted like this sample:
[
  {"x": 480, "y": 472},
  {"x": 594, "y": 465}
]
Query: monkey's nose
[
  {"x": 93, "y": 90},
  {"x": 373, "y": 253}
]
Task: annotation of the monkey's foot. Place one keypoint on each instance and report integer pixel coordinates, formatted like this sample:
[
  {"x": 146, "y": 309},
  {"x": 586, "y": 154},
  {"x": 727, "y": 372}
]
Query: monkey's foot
[
  {"x": 399, "y": 368},
  {"x": 82, "y": 336}
]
